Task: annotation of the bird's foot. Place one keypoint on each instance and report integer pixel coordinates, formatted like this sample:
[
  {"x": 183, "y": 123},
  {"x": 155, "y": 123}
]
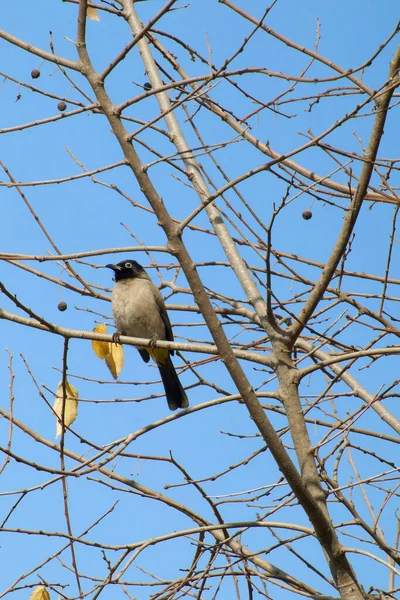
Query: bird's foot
[
  {"x": 154, "y": 340},
  {"x": 116, "y": 337}
]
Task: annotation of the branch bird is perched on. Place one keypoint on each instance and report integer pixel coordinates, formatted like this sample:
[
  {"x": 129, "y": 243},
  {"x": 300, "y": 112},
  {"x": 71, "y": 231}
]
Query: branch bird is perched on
[{"x": 139, "y": 311}]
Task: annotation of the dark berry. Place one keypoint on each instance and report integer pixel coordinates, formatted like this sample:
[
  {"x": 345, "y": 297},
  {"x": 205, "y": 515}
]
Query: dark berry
[
  {"x": 35, "y": 74},
  {"x": 307, "y": 214},
  {"x": 62, "y": 306},
  {"x": 61, "y": 106},
  {"x": 147, "y": 86}
]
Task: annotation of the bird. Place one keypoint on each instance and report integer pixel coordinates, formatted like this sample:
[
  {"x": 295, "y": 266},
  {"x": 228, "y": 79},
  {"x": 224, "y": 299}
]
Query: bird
[{"x": 139, "y": 311}]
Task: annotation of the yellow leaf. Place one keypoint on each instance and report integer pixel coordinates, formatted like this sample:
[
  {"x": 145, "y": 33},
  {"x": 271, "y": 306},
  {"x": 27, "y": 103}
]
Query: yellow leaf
[
  {"x": 100, "y": 348},
  {"x": 40, "y": 593},
  {"x": 92, "y": 14},
  {"x": 71, "y": 407},
  {"x": 115, "y": 359}
]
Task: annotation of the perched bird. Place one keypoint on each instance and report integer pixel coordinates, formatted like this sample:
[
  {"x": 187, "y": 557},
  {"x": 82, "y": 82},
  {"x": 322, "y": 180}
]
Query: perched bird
[{"x": 139, "y": 311}]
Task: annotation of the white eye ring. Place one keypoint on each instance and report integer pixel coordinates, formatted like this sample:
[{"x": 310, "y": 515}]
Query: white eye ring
[{"x": 128, "y": 265}]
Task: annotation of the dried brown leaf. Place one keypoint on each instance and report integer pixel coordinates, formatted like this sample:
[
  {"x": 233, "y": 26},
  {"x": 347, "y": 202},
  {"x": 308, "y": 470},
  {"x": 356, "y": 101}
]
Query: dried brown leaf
[
  {"x": 92, "y": 14},
  {"x": 115, "y": 359},
  {"x": 101, "y": 349},
  {"x": 39, "y": 593},
  {"x": 71, "y": 406}
]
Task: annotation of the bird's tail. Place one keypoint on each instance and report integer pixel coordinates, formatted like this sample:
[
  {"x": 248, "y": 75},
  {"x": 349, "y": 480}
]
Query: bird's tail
[{"x": 176, "y": 395}]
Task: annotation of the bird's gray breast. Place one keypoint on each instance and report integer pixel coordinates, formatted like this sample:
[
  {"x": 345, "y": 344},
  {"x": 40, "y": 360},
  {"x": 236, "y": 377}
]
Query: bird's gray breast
[{"x": 135, "y": 309}]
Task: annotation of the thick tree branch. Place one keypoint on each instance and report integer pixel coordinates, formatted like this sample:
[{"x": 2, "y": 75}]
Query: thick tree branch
[
  {"x": 324, "y": 529},
  {"x": 352, "y": 213},
  {"x": 58, "y": 60},
  {"x": 196, "y": 178}
]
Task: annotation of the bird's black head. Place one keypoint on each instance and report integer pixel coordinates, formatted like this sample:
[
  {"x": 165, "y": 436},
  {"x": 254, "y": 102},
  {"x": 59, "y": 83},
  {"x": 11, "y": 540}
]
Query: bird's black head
[{"x": 128, "y": 269}]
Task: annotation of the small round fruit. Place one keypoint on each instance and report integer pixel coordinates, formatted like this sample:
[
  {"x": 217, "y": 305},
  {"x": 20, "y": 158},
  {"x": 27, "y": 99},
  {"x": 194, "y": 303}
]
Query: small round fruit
[
  {"x": 147, "y": 86},
  {"x": 61, "y": 106},
  {"x": 307, "y": 214},
  {"x": 62, "y": 306},
  {"x": 35, "y": 74}
]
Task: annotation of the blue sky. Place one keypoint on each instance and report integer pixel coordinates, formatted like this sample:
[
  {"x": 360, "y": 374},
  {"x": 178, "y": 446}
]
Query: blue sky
[{"x": 82, "y": 215}]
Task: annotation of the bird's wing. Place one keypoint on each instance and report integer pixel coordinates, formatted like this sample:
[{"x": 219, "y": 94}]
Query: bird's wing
[
  {"x": 167, "y": 323},
  {"x": 169, "y": 336}
]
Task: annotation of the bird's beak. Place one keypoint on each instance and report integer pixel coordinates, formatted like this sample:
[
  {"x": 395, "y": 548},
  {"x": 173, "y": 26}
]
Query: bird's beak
[{"x": 113, "y": 267}]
